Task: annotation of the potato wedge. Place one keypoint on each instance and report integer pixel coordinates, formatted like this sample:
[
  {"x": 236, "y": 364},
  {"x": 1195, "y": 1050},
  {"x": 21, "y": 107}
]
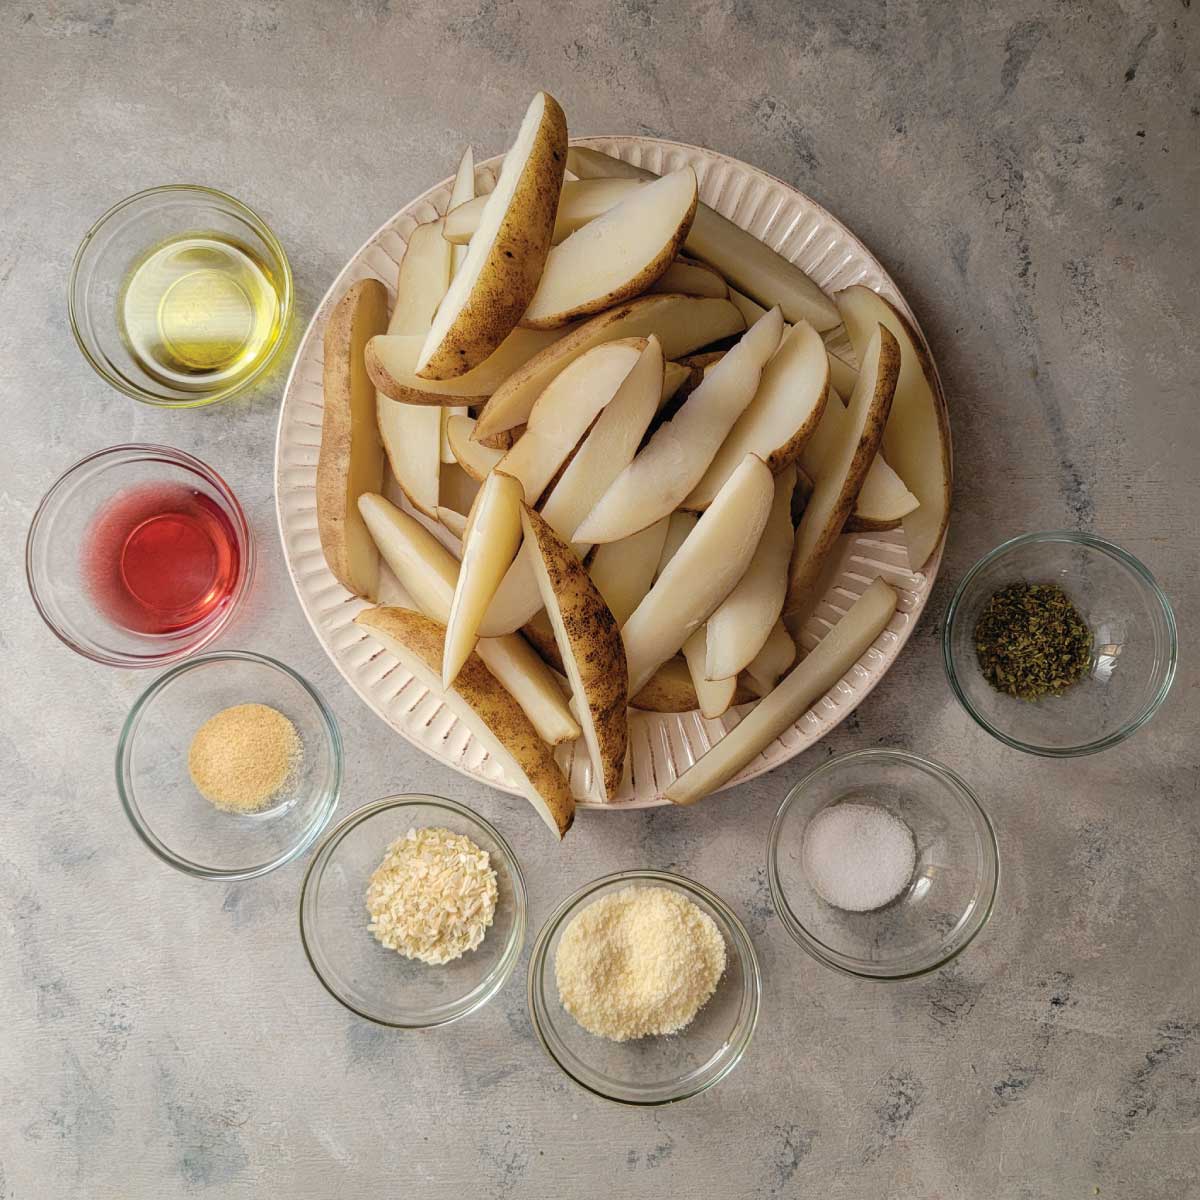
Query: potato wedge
[
  {"x": 616, "y": 256},
  {"x": 475, "y": 459},
  {"x": 681, "y": 323},
  {"x": 670, "y": 690},
  {"x": 611, "y": 443},
  {"x": 840, "y": 475},
  {"x": 679, "y": 529},
  {"x": 833, "y": 656},
  {"x": 455, "y": 522},
  {"x": 702, "y": 573},
  {"x": 504, "y": 262},
  {"x": 777, "y": 654},
  {"x": 589, "y": 643},
  {"x": 351, "y": 458},
  {"x": 686, "y": 278},
  {"x": 917, "y": 439},
  {"x": 781, "y": 417},
  {"x": 392, "y": 359},
  {"x": 423, "y": 278},
  {"x": 539, "y": 633},
  {"x": 479, "y": 701},
  {"x": 624, "y": 571},
  {"x": 491, "y": 539},
  {"x": 462, "y": 191},
  {"x": 748, "y": 264},
  {"x": 411, "y": 438},
  {"x": 751, "y": 310},
  {"x": 565, "y": 411},
  {"x": 428, "y": 572},
  {"x": 842, "y": 375},
  {"x": 713, "y": 696},
  {"x": 676, "y": 457},
  {"x": 458, "y": 490},
  {"x": 883, "y": 499},
  {"x": 742, "y": 622},
  {"x": 577, "y": 205}
]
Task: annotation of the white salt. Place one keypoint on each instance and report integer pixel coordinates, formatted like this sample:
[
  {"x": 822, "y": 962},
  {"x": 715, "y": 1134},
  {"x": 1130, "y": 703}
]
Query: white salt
[{"x": 858, "y": 856}]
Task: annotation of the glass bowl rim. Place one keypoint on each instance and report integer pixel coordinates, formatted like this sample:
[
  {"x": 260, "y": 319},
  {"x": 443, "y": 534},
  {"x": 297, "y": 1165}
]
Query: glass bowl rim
[
  {"x": 155, "y": 843},
  {"x": 1103, "y": 546},
  {"x": 744, "y": 946},
  {"x": 207, "y": 632},
  {"x": 75, "y": 308},
  {"x": 499, "y": 975},
  {"x": 795, "y": 927}
]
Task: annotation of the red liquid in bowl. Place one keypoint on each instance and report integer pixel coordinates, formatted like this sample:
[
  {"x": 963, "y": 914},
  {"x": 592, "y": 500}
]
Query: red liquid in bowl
[{"x": 161, "y": 558}]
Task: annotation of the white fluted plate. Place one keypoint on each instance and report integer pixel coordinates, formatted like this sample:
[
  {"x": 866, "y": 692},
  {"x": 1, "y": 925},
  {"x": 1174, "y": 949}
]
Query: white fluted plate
[{"x": 662, "y": 745}]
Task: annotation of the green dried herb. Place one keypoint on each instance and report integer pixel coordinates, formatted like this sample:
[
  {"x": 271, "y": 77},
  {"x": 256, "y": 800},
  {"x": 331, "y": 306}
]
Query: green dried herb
[{"x": 1031, "y": 641}]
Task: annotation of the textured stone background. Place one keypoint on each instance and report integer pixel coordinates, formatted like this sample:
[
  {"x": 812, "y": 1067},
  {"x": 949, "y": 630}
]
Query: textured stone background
[{"x": 1030, "y": 173}]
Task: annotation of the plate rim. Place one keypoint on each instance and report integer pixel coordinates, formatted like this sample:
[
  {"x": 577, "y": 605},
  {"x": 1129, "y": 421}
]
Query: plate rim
[{"x": 315, "y": 327}]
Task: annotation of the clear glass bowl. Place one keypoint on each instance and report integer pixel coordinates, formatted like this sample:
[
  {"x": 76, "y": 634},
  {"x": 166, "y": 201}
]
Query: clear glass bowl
[
  {"x": 649, "y": 1070},
  {"x": 120, "y": 239},
  {"x": 169, "y": 813},
  {"x": 59, "y": 538},
  {"x": 1134, "y": 656},
  {"x": 367, "y": 977},
  {"x": 953, "y": 887}
]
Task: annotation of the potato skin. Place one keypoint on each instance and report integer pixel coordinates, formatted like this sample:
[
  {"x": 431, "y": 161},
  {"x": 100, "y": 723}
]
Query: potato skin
[
  {"x": 595, "y": 645},
  {"x": 479, "y": 688},
  {"x": 513, "y": 268},
  {"x": 351, "y": 456}
]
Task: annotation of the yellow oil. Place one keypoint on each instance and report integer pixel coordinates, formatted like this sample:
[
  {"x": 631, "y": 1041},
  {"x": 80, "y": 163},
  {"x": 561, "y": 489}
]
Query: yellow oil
[{"x": 199, "y": 312}]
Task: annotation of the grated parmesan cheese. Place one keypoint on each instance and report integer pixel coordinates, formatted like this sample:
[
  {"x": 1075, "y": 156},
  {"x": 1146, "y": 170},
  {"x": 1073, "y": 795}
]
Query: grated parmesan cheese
[
  {"x": 639, "y": 962},
  {"x": 433, "y": 897}
]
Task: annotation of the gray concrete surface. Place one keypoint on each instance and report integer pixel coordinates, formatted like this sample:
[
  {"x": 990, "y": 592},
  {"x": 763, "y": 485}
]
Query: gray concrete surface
[{"x": 1030, "y": 173}]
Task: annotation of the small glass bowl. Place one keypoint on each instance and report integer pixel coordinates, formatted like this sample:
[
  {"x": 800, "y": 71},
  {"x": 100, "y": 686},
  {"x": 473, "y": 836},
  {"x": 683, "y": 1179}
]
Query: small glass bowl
[
  {"x": 953, "y": 887},
  {"x": 364, "y": 975},
  {"x": 166, "y": 809},
  {"x": 1133, "y": 660},
  {"x": 650, "y": 1070},
  {"x": 58, "y": 543},
  {"x": 122, "y": 237}
]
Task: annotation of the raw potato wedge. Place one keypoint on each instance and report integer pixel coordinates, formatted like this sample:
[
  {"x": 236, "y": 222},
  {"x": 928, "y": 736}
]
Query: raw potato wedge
[
  {"x": 455, "y": 522},
  {"x": 741, "y": 624},
  {"x": 833, "y": 656},
  {"x": 670, "y": 690},
  {"x": 840, "y": 475},
  {"x": 681, "y": 323},
  {"x": 458, "y": 490},
  {"x": 428, "y": 572},
  {"x": 713, "y": 696},
  {"x": 504, "y": 262},
  {"x": 611, "y": 443},
  {"x": 539, "y": 633},
  {"x": 750, "y": 265},
  {"x": 702, "y": 572},
  {"x": 491, "y": 539},
  {"x": 462, "y": 191},
  {"x": 676, "y": 457},
  {"x": 686, "y": 278},
  {"x": 751, "y": 310},
  {"x": 475, "y": 459},
  {"x": 577, "y": 205},
  {"x": 842, "y": 376},
  {"x": 351, "y": 458},
  {"x": 883, "y": 499},
  {"x": 783, "y": 415},
  {"x": 478, "y": 700},
  {"x": 392, "y": 361},
  {"x": 589, "y": 643},
  {"x": 917, "y": 439},
  {"x": 624, "y": 571},
  {"x": 777, "y": 654},
  {"x": 616, "y": 256},
  {"x": 565, "y": 411},
  {"x": 408, "y": 435}
]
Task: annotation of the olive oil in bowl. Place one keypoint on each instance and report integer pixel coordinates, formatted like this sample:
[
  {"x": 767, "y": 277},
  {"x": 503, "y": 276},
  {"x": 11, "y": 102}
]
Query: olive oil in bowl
[{"x": 199, "y": 312}]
